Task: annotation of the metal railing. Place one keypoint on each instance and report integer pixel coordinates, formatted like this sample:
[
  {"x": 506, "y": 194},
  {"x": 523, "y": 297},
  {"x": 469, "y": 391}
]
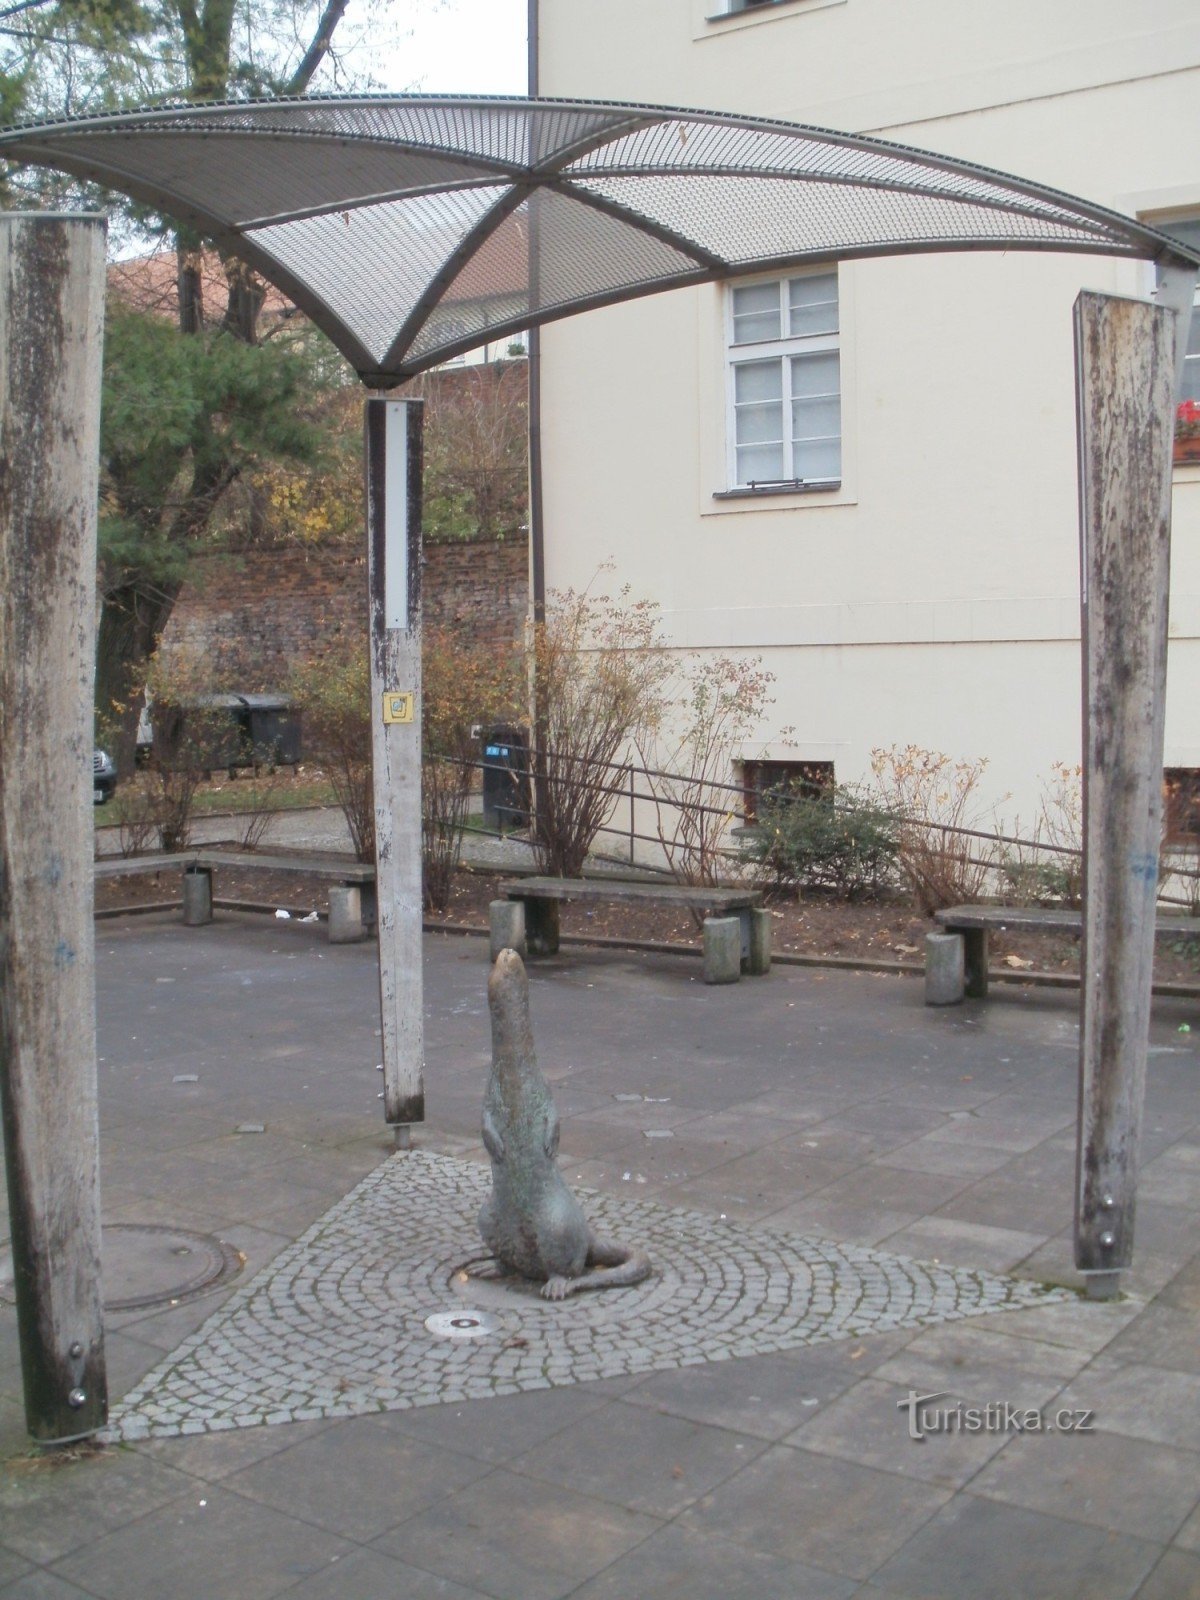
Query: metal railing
[{"x": 632, "y": 784}]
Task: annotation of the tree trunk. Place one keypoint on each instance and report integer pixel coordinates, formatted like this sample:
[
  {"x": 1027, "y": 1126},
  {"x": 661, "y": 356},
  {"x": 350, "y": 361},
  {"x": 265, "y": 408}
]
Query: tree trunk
[{"x": 131, "y": 624}]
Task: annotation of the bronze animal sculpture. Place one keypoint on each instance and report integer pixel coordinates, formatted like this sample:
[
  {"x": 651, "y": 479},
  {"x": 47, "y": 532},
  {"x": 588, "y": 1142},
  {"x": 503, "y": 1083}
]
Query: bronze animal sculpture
[{"x": 531, "y": 1222}]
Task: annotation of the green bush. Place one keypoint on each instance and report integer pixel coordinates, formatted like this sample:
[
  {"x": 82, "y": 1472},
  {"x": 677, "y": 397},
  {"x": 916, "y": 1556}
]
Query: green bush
[
  {"x": 1041, "y": 883},
  {"x": 839, "y": 841}
]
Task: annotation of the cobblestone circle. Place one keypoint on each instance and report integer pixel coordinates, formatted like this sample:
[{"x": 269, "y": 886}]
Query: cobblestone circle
[{"x": 335, "y": 1325}]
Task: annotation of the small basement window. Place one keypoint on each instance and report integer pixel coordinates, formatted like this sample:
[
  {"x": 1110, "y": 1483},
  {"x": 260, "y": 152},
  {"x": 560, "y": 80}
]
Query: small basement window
[
  {"x": 807, "y": 779},
  {"x": 1181, "y": 806}
]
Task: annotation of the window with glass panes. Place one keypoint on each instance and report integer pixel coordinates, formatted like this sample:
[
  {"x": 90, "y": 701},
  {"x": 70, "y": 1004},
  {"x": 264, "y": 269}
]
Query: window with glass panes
[
  {"x": 785, "y": 390},
  {"x": 1187, "y": 231}
]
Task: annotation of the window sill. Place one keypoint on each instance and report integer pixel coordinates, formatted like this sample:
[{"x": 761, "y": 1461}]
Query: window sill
[
  {"x": 775, "y": 490},
  {"x": 772, "y": 8}
]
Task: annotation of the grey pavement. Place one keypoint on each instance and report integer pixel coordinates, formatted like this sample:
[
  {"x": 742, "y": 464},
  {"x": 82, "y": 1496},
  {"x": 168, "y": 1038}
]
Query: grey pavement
[{"x": 792, "y": 1145}]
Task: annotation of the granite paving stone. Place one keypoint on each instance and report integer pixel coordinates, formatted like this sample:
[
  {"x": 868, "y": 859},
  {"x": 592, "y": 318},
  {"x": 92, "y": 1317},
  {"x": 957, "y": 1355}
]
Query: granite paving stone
[
  {"x": 358, "y": 1481},
  {"x": 835, "y": 1515},
  {"x": 45, "y": 1512},
  {"x": 209, "y": 1543},
  {"x": 680, "y": 1564},
  {"x": 303, "y": 1408},
  {"x": 1103, "y": 1478},
  {"x": 635, "y": 1458},
  {"x": 38, "y": 1584},
  {"x": 976, "y": 1549},
  {"x": 334, "y": 1326},
  {"x": 1176, "y": 1577},
  {"x": 370, "y": 1573},
  {"x": 1152, "y": 1403},
  {"x": 1163, "y": 1336},
  {"x": 869, "y": 1426},
  {"x": 12, "y": 1565},
  {"x": 1188, "y": 1537},
  {"x": 542, "y": 1540}
]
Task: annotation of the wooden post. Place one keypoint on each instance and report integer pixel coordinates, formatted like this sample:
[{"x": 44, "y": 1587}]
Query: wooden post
[
  {"x": 393, "y": 456},
  {"x": 51, "y": 327},
  {"x": 1126, "y": 363}
]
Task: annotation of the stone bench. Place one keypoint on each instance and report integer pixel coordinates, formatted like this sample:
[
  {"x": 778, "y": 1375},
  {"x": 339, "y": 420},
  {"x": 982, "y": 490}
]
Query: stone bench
[
  {"x": 351, "y": 882},
  {"x": 956, "y": 960},
  {"x": 737, "y": 931}
]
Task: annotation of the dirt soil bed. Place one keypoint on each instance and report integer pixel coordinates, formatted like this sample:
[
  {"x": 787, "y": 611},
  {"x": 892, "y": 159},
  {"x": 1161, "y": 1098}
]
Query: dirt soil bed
[{"x": 812, "y": 927}]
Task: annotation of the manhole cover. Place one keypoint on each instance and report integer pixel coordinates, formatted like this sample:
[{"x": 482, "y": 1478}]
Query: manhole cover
[
  {"x": 144, "y": 1265},
  {"x": 462, "y": 1324}
]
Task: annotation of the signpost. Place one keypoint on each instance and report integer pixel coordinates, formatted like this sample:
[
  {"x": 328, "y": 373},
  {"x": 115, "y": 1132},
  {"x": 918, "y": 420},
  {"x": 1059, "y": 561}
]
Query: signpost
[
  {"x": 393, "y": 457},
  {"x": 1126, "y": 363},
  {"x": 51, "y": 326}
]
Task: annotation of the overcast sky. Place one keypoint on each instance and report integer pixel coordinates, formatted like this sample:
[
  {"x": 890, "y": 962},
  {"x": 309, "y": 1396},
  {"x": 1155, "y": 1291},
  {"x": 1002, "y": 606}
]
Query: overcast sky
[{"x": 461, "y": 47}]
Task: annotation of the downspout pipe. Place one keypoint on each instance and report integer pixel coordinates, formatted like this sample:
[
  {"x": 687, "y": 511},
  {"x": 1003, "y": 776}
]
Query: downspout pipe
[{"x": 537, "y": 544}]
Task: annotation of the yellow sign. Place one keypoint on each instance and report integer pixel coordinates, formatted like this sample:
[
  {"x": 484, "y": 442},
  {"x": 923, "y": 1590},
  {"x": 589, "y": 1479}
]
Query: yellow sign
[{"x": 398, "y": 707}]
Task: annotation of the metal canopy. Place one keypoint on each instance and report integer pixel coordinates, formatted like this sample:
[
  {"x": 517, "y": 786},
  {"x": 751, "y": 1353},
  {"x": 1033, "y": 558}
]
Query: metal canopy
[{"x": 411, "y": 228}]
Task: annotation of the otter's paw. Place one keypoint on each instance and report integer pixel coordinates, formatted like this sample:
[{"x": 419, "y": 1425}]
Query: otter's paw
[{"x": 557, "y": 1288}]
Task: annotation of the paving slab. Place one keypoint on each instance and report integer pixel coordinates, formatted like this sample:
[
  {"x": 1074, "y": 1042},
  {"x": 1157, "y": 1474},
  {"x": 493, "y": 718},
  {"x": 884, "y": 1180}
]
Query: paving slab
[
  {"x": 813, "y": 1114},
  {"x": 1103, "y": 1478},
  {"x": 679, "y": 1564},
  {"x": 207, "y": 1543},
  {"x": 976, "y": 1549},
  {"x": 834, "y": 1515},
  {"x": 519, "y": 1540}
]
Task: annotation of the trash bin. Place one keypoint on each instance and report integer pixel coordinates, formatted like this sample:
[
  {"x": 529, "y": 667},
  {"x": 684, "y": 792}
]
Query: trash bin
[
  {"x": 272, "y": 729},
  {"x": 505, "y": 777}
]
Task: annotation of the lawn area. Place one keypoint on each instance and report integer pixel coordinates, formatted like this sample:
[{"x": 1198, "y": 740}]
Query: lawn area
[{"x": 285, "y": 789}]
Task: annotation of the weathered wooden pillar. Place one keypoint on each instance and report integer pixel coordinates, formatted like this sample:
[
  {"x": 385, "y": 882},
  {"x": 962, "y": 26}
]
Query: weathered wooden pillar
[
  {"x": 1126, "y": 367},
  {"x": 393, "y": 455},
  {"x": 51, "y": 326}
]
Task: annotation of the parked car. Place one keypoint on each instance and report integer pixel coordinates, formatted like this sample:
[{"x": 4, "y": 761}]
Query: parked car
[{"x": 104, "y": 777}]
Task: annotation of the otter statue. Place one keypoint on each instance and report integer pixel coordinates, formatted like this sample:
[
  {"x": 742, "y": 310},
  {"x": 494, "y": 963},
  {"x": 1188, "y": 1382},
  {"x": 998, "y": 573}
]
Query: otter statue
[{"x": 531, "y": 1222}]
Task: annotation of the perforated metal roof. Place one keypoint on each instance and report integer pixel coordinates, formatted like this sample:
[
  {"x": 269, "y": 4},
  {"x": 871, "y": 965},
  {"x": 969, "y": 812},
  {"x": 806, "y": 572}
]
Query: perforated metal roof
[{"x": 412, "y": 228}]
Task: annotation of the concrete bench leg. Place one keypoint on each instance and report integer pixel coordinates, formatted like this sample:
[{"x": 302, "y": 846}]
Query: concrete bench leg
[
  {"x": 197, "y": 896},
  {"x": 976, "y": 961},
  {"x": 345, "y": 914},
  {"x": 722, "y": 949},
  {"x": 506, "y": 922},
  {"x": 944, "y": 969},
  {"x": 756, "y": 945},
  {"x": 541, "y": 927}
]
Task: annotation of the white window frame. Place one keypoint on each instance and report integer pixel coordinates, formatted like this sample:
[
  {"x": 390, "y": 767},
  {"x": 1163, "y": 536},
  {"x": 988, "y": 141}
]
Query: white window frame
[
  {"x": 783, "y": 350},
  {"x": 1191, "y": 364}
]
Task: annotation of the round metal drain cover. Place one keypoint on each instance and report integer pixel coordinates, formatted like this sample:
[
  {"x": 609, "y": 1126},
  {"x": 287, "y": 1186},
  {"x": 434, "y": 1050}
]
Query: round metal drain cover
[
  {"x": 144, "y": 1265},
  {"x": 462, "y": 1324}
]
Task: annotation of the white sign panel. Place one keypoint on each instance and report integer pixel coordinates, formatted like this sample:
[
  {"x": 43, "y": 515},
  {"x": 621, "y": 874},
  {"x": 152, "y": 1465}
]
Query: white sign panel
[{"x": 395, "y": 515}]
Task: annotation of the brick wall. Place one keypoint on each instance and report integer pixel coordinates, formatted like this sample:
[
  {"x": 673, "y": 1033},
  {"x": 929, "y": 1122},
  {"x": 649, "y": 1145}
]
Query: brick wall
[{"x": 254, "y": 616}]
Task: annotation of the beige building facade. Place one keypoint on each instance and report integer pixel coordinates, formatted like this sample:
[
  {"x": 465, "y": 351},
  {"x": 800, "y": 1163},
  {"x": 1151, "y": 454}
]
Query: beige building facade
[{"x": 865, "y": 473}]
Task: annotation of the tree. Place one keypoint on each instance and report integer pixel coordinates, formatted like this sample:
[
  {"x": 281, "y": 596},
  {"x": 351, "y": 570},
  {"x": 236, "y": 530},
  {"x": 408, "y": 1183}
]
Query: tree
[
  {"x": 183, "y": 418},
  {"x": 476, "y": 451},
  {"x": 226, "y": 407}
]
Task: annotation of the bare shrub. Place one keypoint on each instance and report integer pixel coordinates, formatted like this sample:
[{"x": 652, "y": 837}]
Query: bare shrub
[
  {"x": 719, "y": 704},
  {"x": 333, "y": 693},
  {"x": 934, "y": 798},
  {"x": 257, "y": 797},
  {"x": 191, "y": 737},
  {"x": 1047, "y": 869},
  {"x": 139, "y": 815},
  {"x": 465, "y": 683},
  {"x": 600, "y": 677}
]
